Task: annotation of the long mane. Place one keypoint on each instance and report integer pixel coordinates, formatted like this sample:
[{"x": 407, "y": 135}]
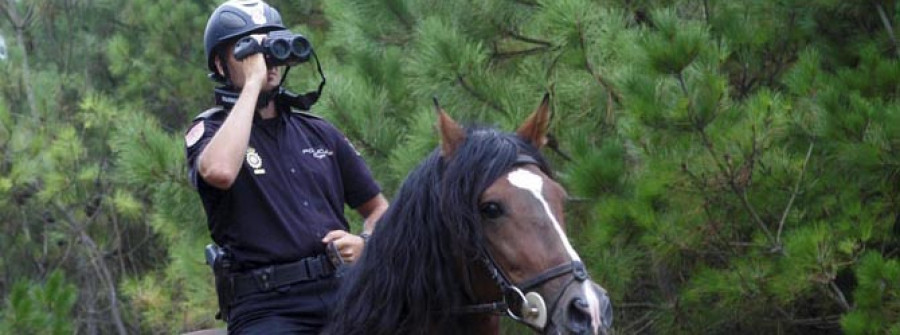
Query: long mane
[{"x": 406, "y": 280}]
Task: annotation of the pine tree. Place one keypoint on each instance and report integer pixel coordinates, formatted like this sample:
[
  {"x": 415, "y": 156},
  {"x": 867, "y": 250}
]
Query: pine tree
[
  {"x": 67, "y": 211},
  {"x": 731, "y": 160},
  {"x": 36, "y": 308}
]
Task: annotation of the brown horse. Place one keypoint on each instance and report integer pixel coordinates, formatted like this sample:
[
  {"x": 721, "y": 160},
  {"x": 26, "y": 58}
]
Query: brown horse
[{"x": 475, "y": 231}]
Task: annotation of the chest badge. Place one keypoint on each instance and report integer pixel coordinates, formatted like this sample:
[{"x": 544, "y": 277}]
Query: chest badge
[{"x": 255, "y": 161}]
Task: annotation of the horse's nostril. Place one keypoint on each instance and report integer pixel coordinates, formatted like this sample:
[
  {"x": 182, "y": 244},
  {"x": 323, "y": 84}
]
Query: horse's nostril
[
  {"x": 579, "y": 317},
  {"x": 580, "y": 303}
]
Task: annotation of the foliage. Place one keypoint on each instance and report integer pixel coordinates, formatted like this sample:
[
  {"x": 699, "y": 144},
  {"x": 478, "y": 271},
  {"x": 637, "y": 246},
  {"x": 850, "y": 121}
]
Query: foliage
[
  {"x": 876, "y": 296},
  {"x": 40, "y": 308}
]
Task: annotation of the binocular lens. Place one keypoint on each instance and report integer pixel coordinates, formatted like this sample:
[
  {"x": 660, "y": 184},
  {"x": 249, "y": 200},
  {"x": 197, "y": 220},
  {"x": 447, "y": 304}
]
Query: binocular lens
[
  {"x": 280, "y": 49},
  {"x": 300, "y": 47}
]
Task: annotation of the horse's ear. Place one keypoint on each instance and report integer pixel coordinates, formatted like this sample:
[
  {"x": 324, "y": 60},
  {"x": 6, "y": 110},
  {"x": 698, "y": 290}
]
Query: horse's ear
[
  {"x": 452, "y": 135},
  {"x": 535, "y": 128}
]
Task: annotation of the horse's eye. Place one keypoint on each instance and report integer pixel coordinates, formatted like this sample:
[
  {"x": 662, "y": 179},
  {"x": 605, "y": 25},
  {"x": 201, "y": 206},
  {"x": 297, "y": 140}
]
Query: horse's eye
[{"x": 491, "y": 210}]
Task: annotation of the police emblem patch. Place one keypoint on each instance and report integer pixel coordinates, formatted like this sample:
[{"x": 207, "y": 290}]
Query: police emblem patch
[
  {"x": 194, "y": 134},
  {"x": 255, "y": 161}
]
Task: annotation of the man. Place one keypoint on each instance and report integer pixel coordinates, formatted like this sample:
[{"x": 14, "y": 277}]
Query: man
[{"x": 273, "y": 182}]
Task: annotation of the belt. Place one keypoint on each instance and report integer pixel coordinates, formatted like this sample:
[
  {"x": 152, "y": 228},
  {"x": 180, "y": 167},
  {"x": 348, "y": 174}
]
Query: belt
[{"x": 271, "y": 277}]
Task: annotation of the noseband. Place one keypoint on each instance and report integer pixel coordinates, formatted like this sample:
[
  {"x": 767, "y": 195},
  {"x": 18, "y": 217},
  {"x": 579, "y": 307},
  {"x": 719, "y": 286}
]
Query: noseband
[{"x": 532, "y": 304}]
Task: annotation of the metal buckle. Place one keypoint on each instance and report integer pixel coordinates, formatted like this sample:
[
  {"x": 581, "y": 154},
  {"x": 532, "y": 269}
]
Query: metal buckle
[
  {"x": 533, "y": 309},
  {"x": 312, "y": 269},
  {"x": 264, "y": 277},
  {"x": 509, "y": 307},
  {"x": 579, "y": 272}
]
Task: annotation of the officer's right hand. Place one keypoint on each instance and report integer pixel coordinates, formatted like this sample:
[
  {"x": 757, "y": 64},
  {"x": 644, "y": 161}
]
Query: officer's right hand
[
  {"x": 254, "y": 67},
  {"x": 348, "y": 245}
]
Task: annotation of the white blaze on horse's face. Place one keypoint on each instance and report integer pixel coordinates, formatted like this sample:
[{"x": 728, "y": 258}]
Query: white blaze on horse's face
[{"x": 533, "y": 183}]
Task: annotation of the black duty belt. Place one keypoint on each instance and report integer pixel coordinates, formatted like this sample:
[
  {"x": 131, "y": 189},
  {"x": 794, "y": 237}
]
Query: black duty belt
[{"x": 274, "y": 276}]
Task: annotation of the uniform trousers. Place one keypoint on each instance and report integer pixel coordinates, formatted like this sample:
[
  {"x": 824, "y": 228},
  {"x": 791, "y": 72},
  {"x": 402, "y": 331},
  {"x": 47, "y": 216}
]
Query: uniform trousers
[{"x": 299, "y": 308}]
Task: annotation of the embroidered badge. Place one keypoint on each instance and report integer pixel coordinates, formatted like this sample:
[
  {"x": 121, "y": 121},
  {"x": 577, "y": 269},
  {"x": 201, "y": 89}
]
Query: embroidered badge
[
  {"x": 317, "y": 153},
  {"x": 194, "y": 134},
  {"x": 256, "y": 11},
  {"x": 257, "y": 16},
  {"x": 255, "y": 161}
]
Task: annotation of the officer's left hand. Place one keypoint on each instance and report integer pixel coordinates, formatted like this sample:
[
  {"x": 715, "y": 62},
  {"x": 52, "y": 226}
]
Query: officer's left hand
[{"x": 350, "y": 246}]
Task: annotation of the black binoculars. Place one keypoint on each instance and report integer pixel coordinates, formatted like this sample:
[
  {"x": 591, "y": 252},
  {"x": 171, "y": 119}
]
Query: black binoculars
[{"x": 280, "y": 47}]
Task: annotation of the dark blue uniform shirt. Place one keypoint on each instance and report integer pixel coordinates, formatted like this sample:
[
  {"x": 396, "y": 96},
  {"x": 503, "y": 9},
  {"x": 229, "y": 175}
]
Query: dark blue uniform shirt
[{"x": 298, "y": 173}]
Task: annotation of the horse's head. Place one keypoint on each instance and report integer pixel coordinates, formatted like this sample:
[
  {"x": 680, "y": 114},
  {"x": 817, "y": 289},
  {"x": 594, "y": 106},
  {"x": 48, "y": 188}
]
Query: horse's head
[{"x": 525, "y": 266}]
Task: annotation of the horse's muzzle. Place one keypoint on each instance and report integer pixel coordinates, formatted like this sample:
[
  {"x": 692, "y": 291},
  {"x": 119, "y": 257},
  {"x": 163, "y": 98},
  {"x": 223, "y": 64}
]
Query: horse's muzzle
[{"x": 584, "y": 308}]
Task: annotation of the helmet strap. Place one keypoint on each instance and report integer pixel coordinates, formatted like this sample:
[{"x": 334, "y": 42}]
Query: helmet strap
[
  {"x": 226, "y": 96},
  {"x": 301, "y": 101},
  {"x": 224, "y": 79}
]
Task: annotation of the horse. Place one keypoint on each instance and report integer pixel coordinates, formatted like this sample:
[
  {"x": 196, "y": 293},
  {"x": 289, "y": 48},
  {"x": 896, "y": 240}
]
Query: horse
[{"x": 474, "y": 232}]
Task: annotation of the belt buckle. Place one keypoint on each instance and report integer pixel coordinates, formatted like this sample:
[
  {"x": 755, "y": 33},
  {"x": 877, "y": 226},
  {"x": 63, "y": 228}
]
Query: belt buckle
[{"x": 264, "y": 277}]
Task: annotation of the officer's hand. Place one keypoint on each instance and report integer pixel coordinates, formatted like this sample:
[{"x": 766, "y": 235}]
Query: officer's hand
[
  {"x": 350, "y": 246},
  {"x": 254, "y": 66}
]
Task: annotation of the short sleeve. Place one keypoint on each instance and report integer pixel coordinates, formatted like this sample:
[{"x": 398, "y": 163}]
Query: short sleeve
[
  {"x": 195, "y": 140},
  {"x": 359, "y": 185}
]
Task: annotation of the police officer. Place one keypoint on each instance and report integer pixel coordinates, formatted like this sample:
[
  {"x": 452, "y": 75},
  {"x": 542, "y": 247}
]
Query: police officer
[{"x": 273, "y": 182}]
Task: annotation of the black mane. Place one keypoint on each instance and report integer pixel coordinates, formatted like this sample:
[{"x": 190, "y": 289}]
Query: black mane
[{"x": 405, "y": 281}]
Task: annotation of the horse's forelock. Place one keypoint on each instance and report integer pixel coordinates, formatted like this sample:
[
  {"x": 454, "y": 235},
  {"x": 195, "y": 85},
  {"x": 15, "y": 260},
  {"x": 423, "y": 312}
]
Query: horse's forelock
[{"x": 486, "y": 155}]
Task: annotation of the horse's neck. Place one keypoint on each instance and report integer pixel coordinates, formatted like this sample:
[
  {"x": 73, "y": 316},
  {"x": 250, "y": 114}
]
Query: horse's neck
[{"x": 479, "y": 284}]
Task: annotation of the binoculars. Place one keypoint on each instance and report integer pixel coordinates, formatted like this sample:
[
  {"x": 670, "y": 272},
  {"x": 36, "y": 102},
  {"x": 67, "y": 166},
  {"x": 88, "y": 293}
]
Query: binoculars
[{"x": 280, "y": 47}]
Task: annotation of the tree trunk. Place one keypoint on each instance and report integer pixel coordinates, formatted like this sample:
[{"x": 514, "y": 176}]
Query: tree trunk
[
  {"x": 26, "y": 74},
  {"x": 20, "y": 22}
]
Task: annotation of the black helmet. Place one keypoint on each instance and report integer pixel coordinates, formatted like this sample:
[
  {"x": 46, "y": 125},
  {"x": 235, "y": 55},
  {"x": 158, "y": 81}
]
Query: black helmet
[{"x": 235, "y": 19}]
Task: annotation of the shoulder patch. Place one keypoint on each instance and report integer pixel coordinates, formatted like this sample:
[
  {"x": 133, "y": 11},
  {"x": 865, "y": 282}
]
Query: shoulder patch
[{"x": 194, "y": 134}]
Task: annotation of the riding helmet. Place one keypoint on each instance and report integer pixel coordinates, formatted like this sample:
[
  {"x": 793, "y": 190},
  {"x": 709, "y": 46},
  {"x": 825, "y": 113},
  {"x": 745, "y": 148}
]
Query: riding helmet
[{"x": 235, "y": 19}]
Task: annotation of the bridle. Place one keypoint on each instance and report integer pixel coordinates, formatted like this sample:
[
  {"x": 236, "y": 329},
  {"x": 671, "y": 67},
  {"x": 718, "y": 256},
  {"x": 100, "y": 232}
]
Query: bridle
[
  {"x": 534, "y": 311},
  {"x": 532, "y": 305}
]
